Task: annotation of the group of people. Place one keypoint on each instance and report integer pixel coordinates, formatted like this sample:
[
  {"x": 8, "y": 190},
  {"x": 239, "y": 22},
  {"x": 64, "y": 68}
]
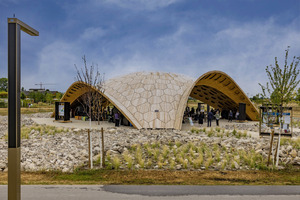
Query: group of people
[
  {"x": 211, "y": 114},
  {"x": 230, "y": 115},
  {"x": 200, "y": 115}
]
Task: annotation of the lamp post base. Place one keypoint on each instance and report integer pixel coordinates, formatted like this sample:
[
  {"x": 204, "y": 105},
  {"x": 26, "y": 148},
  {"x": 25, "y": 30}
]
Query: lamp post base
[{"x": 14, "y": 174}]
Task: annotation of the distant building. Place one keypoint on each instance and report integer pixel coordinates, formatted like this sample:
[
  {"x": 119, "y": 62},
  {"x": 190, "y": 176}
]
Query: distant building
[{"x": 38, "y": 90}]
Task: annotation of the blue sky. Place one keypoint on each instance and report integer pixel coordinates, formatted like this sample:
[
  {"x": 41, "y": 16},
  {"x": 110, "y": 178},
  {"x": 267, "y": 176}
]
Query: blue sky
[{"x": 191, "y": 37}]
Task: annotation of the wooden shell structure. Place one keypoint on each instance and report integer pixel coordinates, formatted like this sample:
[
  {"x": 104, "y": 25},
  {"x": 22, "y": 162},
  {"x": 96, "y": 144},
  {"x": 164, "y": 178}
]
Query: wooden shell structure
[{"x": 158, "y": 100}]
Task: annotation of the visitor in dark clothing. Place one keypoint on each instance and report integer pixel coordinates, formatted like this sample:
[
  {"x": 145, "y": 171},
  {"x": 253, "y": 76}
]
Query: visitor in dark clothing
[
  {"x": 230, "y": 116},
  {"x": 201, "y": 117},
  {"x": 210, "y": 116},
  {"x": 117, "y": 119}
]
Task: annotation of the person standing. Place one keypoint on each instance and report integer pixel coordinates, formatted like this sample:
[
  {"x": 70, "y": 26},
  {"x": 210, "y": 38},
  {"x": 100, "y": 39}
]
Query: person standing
[
  {"x": 201, "y": 117},
  {"x": 117, "y": 119},
  {"x": 210, "y": 116},
  {"x": 230, "y": 116},
  {"x": 237, "y": 114},
  {"x": 217, "y": 116}
]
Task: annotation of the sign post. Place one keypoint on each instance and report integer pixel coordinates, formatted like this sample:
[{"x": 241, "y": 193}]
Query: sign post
[{"x": 15, "y": 26}]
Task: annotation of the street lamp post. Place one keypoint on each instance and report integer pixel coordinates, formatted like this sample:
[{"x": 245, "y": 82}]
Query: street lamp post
[{"x": 15, "y": 26}]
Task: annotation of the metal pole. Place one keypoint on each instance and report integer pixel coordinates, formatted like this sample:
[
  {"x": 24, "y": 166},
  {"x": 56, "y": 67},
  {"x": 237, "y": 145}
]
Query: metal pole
[
  {"x": 89, "y": 140},
  {"x": 14, "y": 152},
  {"x": 103, "y": 154},
  {"x": 14, "y": 79},
  {"x": 271, "y": 146},
  {"x": 100, "y": 145}
]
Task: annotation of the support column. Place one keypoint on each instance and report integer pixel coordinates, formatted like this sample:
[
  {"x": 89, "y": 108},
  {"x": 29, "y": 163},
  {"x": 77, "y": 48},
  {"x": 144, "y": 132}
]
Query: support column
[
  {"x": 14, "y": 152},
  {"x": 14, "y": 84}
]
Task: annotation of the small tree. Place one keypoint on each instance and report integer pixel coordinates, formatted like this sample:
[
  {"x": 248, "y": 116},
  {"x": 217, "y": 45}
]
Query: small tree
[
  {"x": 282, "y": 82},
  {"x": 92, "y": 78},
  {"x": 49, "y": 97},
  {"x": 281, "y": 86},
  {"x": 58, "y": 95},
  {"x": 23, "y": 96},
  {"x": 98, "y": 100},
  {"x": 3, "y": 84},
  {"x": 298, "y": 96}
]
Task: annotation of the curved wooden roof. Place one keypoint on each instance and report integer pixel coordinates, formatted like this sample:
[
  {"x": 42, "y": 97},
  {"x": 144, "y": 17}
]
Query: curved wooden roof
[
  {"x": 158, "y": 100},
  {"x": 219, "y": 90}
]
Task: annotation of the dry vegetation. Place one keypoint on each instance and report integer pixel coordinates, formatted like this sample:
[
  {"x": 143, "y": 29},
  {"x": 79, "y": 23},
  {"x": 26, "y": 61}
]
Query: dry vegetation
[
  {"x": 189, "y": 155},
  {"x": 166, "y": 177},
  {"x": 3, "y": 111}
]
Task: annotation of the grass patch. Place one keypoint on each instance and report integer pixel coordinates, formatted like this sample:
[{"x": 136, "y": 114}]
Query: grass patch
[
  {"x": 158, "y": 177},
  {"x": 4, "y": 111}
]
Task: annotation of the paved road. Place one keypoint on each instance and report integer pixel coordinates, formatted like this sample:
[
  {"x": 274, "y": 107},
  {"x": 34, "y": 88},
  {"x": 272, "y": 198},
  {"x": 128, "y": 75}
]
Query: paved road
[{"x": 116, "y": 192}]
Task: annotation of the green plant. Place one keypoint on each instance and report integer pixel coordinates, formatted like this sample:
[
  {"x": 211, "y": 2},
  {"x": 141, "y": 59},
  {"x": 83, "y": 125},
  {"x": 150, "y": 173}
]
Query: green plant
[
  {"x": 116, "y": 162},
  {"x": 238, "y": 134},
  {"x": 234, "y": 132},
  {"x": 149, "y": 151},
  {"x": 217, "y": 156},
  {"x": 208, "y": 162},
  {"x": 165, "y": 151},
  {"x": 160, "y": 158},
  {"x": 223, "y": 165},
  {"x": 227, "y": 133},
  {"x": 160, "y": 165},
  {"x": 185, "y": 164},
  {"x": 155, "y": 145},
  {"x": 191, "y": 152},
  {"x": 215, "y": 147},
  {"x": 156, "y": 154},
  {"x": 210, "y": 134},
  {"x": 185, "y": 148},
  {"x": 128, "y": 158},
  {"x": 198, "y": 162},
  {"x": 178, "y": 144},
  {"x": 232, "y": 165},
  {"x": 172, "y": 164},
  {"x": 149, "y": 163},
  {"x": 108, "y": 156}
]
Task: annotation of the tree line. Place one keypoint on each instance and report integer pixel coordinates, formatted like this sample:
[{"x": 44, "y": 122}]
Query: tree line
[{"x": 45, "y": 97}]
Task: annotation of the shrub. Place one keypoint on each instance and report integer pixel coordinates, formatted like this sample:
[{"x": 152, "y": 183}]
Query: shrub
[
  {"x": 185, "y": 164},
  {"x": 224, "y": 163},
  {"x": 198, "y": 162},
  {"x": 3, "y": 94},
  {"x": 128, "y": 158},
  {"x": 178, "y": 144},
  {"x": 172, "y": 164},
  {"x": 160, "y": 165},
  {"x": 165, "y": 151},
  {"x": 155, "y": 154},
  {"x": 234, "y": 132},
  {"x": 116, "y": 162},
  {"x": 210, "y": 133},
  {"x": 3, "y": 104}
]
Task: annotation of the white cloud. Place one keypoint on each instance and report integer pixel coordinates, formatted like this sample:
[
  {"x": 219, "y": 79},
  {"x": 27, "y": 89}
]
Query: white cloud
[
  {"x": 142, "y": 4},
  {"x": 92, "y": 33},
  {"x": 55, "y": 65},
  {"x": 8, "y": 2},
  {"x": 240, "y": 50}
]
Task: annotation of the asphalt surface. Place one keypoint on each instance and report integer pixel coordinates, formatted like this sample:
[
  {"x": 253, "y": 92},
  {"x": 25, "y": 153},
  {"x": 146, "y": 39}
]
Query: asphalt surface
[
  {"x": 116, "y": 192},
  {"x": 165, "y": 190}
]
